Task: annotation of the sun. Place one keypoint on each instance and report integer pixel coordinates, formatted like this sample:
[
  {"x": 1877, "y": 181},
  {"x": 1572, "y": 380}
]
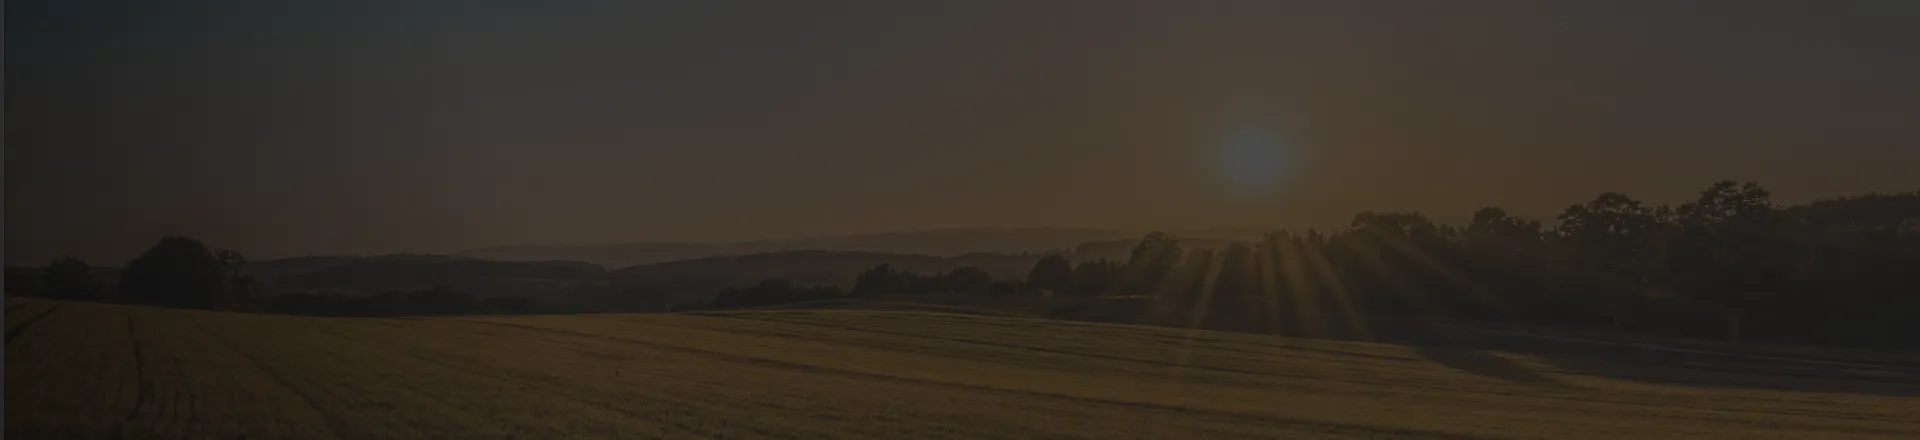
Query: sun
[{"x": 1252, "y": 157}]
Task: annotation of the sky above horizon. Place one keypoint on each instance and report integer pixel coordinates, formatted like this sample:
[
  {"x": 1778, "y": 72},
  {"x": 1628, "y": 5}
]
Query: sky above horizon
[{"x": 375, "y": 126}]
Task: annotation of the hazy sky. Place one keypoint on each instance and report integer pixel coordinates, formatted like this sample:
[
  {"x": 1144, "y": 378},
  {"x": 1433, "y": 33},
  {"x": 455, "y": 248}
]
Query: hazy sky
[{"x": 376, "y": 126}]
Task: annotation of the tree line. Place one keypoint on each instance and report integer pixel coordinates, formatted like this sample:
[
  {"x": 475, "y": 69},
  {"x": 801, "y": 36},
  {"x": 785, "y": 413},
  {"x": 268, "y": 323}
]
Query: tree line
[
  {"x": 882, "y": 279},
  {"x": 182, "y": 272},
  {"x": 1730, "y": 263},
  {"x": 176, "y": 272}
]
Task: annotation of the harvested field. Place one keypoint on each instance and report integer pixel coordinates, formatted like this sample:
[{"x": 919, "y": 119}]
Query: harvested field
[{"x": 85, "y": 370}]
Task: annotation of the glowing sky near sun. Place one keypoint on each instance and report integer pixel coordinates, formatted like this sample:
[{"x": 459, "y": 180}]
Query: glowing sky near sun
[
  {"x": 1252, "y": 157},
  {"x": 355, "y": 126}
]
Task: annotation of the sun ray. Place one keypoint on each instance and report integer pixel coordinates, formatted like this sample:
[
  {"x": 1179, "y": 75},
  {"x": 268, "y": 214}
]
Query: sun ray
[
  {"x": 1195, "y": 318},
  {"x": 1308, "y": 309},
  {"x": 1370, "y": 257},
  {"x": 1438, "y": 267},
  {"x": 1337, "y": 289},
  {"x": 1268, "y": 268}
]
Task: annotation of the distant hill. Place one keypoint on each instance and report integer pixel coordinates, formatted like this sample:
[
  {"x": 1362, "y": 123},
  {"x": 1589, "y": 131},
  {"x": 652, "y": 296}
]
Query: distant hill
[
  {"x": 585, "y": 287},
  {"x": 1120, "y": 250},
  {"x": 653, "y": 276},
  {"x": 825, "y": 267},
  {"x": 273, "y": 270},
  {"x": 1087, "y": 242},
  {"x": 476, "y": 276},
  {"x": 936, "y": 242},
  {"x": 679, "y": 282}
]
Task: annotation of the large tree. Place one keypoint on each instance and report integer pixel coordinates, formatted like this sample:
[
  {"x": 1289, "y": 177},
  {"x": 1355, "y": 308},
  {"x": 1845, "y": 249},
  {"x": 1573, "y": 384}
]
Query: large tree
[
  {"x": 1614, "y": 244},
  {"x": 1149, "y": 263},
  {"x": 880, "y": 280},
  {"x": 69, "y": 278},
  {"x": 1733, "y": 249},
  {"x": 1095, "y": 278},
  {"x": 1405, "y": 258},
  {"x": 1052, "y": 273},
  {"x": 1508, "y": 254},
  {"x": 969, "y": 280},
  {"x": 1408, "y": 225},
  {"x": 183, "y": 272}
]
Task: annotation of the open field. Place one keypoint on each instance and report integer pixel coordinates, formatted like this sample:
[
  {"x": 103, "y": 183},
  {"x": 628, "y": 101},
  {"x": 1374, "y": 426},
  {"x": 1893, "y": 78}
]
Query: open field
[{"x": 83, "y": 370}]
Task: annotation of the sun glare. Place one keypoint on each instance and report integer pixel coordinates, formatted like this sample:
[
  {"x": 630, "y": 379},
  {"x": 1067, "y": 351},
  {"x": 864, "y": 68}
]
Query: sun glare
[{"x": 1252, "y": 157}]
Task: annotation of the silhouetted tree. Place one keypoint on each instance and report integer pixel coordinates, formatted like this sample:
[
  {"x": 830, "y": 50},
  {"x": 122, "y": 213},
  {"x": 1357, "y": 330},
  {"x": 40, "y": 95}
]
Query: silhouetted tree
[
  {"x": 1148, "y": 263},
  {"x": 1095, "y": 278},
  {"x": 969, "y": 280},
  {"x": 1733, "y": 249},
  {"x": 1509, "y": 255},
  {"x": 182, "y": 272},
  {"x": 880, "y": 280},
  {"x": 1052, "y": 273},
  {"x": 1860, "y": 282},
  {"x": 772, "y": 292},
  {"x": 1616, "y": 243},
  {"x": 1009, "y": 288},
  {"x": 70, "y": 278},
  {"x": 1406, "y": 225},
  {"x": 1402, "y": 255}
]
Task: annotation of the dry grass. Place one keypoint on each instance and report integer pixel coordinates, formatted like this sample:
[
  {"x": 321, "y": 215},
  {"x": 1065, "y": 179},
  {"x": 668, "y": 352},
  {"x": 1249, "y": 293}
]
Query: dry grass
[{"x": 92, "y": 370}]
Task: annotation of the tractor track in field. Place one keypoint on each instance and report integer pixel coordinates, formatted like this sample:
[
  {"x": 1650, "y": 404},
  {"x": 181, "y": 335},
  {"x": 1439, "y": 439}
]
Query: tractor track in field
[
  {"x": 553, "y": 383},
  {"x": 333, "y": 426},
  {"x": 22, "y": 329},
  {"x": 842, "y": 372},
  {"x": 139, "y": 370},
  {"x": 993, "y": 344},
  {"x": 17, "y": 305},
  {"x": 426, "y": 394},
  {"x": 880, "y": 374}
]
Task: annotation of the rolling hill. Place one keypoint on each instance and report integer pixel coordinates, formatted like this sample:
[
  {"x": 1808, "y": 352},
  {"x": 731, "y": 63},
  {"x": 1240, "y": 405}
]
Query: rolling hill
[
  {"x": 467, "y": 274},
  {"x": 272, "y": 270},
  {"x": 828, "y": 267},
  {"x": 566, "y": 286},
  {"x": 83, "y": 370},
  {"x": 934, "y": 242}
]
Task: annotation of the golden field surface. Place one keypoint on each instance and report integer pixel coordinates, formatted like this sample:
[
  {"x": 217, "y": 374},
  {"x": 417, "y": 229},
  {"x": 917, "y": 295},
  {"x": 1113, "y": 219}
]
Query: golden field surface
[{"x": 85, "y": 370}]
